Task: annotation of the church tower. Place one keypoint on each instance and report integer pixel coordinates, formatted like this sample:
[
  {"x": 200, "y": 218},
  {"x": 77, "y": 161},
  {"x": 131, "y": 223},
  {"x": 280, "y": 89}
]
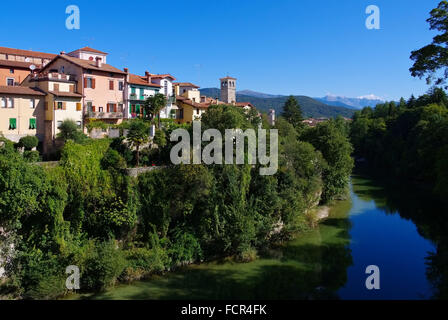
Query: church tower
[{"x": 228, "y": 90}]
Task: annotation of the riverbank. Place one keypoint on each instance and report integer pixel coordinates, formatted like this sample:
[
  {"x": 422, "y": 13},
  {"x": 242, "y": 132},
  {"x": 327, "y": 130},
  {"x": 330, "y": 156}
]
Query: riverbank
[{"x": 277, "y": 267}]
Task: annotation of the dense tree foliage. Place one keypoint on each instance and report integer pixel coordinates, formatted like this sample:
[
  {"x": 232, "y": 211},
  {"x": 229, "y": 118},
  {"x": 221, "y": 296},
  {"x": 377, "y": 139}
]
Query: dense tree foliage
[
  {"x": 409, "y": 140},
  {"x": 88, "y": 212}
]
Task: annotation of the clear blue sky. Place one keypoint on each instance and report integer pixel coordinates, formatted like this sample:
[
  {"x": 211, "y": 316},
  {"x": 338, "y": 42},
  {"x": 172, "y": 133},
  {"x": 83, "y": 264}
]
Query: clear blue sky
[{"x": 282, "y": 47}]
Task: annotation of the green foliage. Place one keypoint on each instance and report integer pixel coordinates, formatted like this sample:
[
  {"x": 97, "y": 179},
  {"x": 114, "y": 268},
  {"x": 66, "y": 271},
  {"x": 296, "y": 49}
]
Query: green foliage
[
  {"x": 69, "y": 130},
  {"x": 31, "y": 156},
  {"x": 406, "y": 142},
  {"x": 28, "y": 142},
  {"x": 160, "y": 138},
  {"x": 113, "y": 160},
  {"x": 292, "y": 112},
  {"x": 153, "y": 105},
  {"x": 138, "y": 134},
  {"x": 431, "y": 59},
  {"x": 103, "y": 264}
]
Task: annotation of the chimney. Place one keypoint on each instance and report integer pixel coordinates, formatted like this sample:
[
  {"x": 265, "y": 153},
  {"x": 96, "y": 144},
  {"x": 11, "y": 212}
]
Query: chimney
[
  {"x": 148, "y": 76},
  {"x": 126, "y": 70},
  {"x": 98, "y": 62}
]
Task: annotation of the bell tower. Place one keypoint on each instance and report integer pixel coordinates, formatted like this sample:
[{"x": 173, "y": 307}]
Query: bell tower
[{"x": 228, "y": 90}]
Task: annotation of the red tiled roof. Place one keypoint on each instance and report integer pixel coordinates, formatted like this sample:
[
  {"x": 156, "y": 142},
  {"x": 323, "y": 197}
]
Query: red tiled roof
[
  {"x": 87, "y": 64},
  {"x": 27, "y": 53},
  {"x": 88, "y": 49},
  {"x": 141, "y": 80},
  {"x": 161, "y": 76},
  {"x": 191, "y": 103},
  {"x": 66, "y": 94},
  {"x": 16, "y": 90},
  {"x": 227, "y": 78},
  {"x": 15, "y": 64},
  {"x": 244, "y": 104},
  {"x": 186, "y": 84}
]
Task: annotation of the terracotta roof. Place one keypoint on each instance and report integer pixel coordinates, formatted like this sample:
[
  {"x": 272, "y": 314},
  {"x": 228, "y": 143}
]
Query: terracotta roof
[
  {"x": 141, "y": 80},
  {"x": 161, "y": 76},
  {"x": 244, "y": 104},
  {"x": 28, "y": 53},
  {"x": 228, "y": 78},
  {"x": 191, "y": 103},
  {"x": 66, "y": 94},
  {"x": 20, "y": 91},
  {"x": 185, "y": 84},
  {"x": 87, "y": 64},
  {"x": 88, "y": 49},
  {"x": 15, "y": 64}
]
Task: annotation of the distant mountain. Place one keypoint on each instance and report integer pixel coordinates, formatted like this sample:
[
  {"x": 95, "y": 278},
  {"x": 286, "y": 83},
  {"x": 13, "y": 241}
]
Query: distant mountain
[
  {"x": 310, "y": 107},
  {"x": 352, "y": 103},
  {"x": 257, "y": 94}
]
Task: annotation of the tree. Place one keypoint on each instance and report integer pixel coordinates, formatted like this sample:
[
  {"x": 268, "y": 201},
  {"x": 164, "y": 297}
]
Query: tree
[
  {"x": 28, "y": 142},
  {"x": 434, "y": 57},
  {"x": 138, "y": 134},
  {"x": 292, "y": 112},
  {"x": 69, "y": 130},
  {"x": 153, "y": 105}
]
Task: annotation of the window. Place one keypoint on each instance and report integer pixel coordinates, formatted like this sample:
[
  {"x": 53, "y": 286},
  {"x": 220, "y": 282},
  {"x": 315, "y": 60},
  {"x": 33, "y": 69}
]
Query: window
[
  {"x": 32, "y": 123},
  {"x": 3, "y": 102},
  {"x": 59, "y": 124},
  {"x": 89, "y": 71},
  {"x": 90, "y": 107},
  {"x": 121, "y": 86},
  {"x": 10, "y": 103},
  {"x": 60, "y": 105},
  {"x": 62, "y": 69},
  {"x": 12, "y": 123},
  {"x": 10, "y": 82},
  {"x": 165, "y": 87},
  {"x": 89, "y": 83},
  {"x": 120, "y": 107},
  {"x": 133, "y": 90},
  {"x": 111, "y": 84},
  {"x": 142, "y": 93},
  {"x": 32, "y": 103},
  {"x": 197, "y": 111},
  {"x": 78, "y": 106},
  {"x": 11, "y": 71}
]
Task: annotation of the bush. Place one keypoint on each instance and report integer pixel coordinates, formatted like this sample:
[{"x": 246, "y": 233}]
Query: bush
[
  {"x": 112, "y": 159},
  {"x": 185, "y": 249},
  {"x": 102, "y": 267},
  {"x": 28, "y": 142},
  {"x": 31, "y": 156}
]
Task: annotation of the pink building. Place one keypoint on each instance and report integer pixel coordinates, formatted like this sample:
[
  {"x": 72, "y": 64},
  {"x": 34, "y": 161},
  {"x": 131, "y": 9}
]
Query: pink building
[{"x": 101, "y": 85}]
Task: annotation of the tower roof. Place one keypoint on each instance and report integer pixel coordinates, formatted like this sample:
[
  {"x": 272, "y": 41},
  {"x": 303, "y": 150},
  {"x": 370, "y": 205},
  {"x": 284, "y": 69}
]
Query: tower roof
[{"x": 227, "y": 78}]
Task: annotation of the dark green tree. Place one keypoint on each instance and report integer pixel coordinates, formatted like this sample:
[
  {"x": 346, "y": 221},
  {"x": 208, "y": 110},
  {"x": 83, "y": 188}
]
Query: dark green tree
[
  {"x": 292, "y": 112},
  {"x": 432, "y": 58},
  {"x": 137, "y": 136},
  {"x": 153, "y": 105}
]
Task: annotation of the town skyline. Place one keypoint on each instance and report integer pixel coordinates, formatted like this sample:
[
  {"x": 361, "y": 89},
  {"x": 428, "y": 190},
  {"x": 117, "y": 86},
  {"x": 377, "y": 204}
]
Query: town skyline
[{"x": 346, "y": 60}]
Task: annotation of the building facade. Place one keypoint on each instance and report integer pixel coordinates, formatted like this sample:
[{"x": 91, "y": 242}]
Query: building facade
[
  {"x": 21, "y": 112},
  {"x": 102, "y": 86},
  {"x": 139, "y": 88}
]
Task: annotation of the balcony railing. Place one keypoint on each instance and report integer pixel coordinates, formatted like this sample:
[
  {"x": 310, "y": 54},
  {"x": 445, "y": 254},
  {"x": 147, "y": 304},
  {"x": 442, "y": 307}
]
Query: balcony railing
[{"x": 105, "y": 115}]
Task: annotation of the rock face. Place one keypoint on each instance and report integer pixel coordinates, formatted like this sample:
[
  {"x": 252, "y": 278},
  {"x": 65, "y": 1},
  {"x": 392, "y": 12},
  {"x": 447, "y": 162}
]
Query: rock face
[{"x": 134, "y": 172}]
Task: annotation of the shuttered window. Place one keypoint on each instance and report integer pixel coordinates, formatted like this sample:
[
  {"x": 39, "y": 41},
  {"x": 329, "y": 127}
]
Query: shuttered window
[
  {"x": 78, "y": 106},
  {"x": 12, "y": 124},
  {"x": 111, "y": 85},
  {"x": 32, "y": 123}
]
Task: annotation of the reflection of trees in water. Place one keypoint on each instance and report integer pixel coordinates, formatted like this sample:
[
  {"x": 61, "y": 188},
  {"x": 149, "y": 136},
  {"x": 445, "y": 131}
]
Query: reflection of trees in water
[{"x": 427, "y": 212}]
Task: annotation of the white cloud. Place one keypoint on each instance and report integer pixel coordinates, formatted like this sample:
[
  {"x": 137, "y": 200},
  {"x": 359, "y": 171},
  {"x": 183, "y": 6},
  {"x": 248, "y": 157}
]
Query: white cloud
[{"x": 371, "y": 97}]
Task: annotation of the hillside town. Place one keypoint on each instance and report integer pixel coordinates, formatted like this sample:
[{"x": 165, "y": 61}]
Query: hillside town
[{"x": 39, "y": 91}]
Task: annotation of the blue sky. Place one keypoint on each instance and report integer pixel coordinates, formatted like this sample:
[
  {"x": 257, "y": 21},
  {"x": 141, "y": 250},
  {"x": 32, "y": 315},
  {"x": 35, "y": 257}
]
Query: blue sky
[{"x": 302, "y": 47}]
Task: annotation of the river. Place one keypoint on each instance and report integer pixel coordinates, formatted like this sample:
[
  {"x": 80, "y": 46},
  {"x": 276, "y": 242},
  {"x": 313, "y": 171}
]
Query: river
[{"x": 374, "y": 227}]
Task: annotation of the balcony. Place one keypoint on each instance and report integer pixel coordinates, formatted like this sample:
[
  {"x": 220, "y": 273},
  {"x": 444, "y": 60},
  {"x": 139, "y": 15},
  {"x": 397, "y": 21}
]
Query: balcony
[
  {"x": 104, "y": 115},
  {"x": 134, "y": 96}
]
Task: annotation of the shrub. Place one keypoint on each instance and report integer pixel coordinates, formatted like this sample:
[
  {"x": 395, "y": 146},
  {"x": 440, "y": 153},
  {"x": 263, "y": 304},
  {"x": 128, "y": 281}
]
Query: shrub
[
  {"x": 112, "y": 159},
  {"x": 31, "y": 156},
  {"x": 28, "y": 142},
  {"x": 105, "y": 262}
]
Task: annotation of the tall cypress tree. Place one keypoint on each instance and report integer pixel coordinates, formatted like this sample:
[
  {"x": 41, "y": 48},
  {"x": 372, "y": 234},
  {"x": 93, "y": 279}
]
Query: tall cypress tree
[{"x": 292, "y": 112}]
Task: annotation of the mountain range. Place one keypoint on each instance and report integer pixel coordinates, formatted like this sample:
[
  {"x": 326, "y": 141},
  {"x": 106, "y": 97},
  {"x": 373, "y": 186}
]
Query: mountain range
[{"x": 327, "y": 107}]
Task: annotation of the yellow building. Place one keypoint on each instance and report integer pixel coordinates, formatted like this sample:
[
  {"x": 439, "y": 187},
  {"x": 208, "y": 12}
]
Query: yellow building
[
  {"x": 21, "y": 112},
  {"x": 61, "y": 103}
]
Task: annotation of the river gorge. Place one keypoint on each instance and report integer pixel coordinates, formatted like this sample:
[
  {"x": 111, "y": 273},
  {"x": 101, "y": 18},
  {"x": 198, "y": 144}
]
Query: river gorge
[{"x": 385, "y": 225}]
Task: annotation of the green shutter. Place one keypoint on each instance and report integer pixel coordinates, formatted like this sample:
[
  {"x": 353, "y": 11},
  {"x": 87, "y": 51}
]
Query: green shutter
[
  {"x": 32, "y": 123},
  {"x": 137, "y": 109},
  {"x": 12, "y": 124},
  {"x": 133, "y": 90}
]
